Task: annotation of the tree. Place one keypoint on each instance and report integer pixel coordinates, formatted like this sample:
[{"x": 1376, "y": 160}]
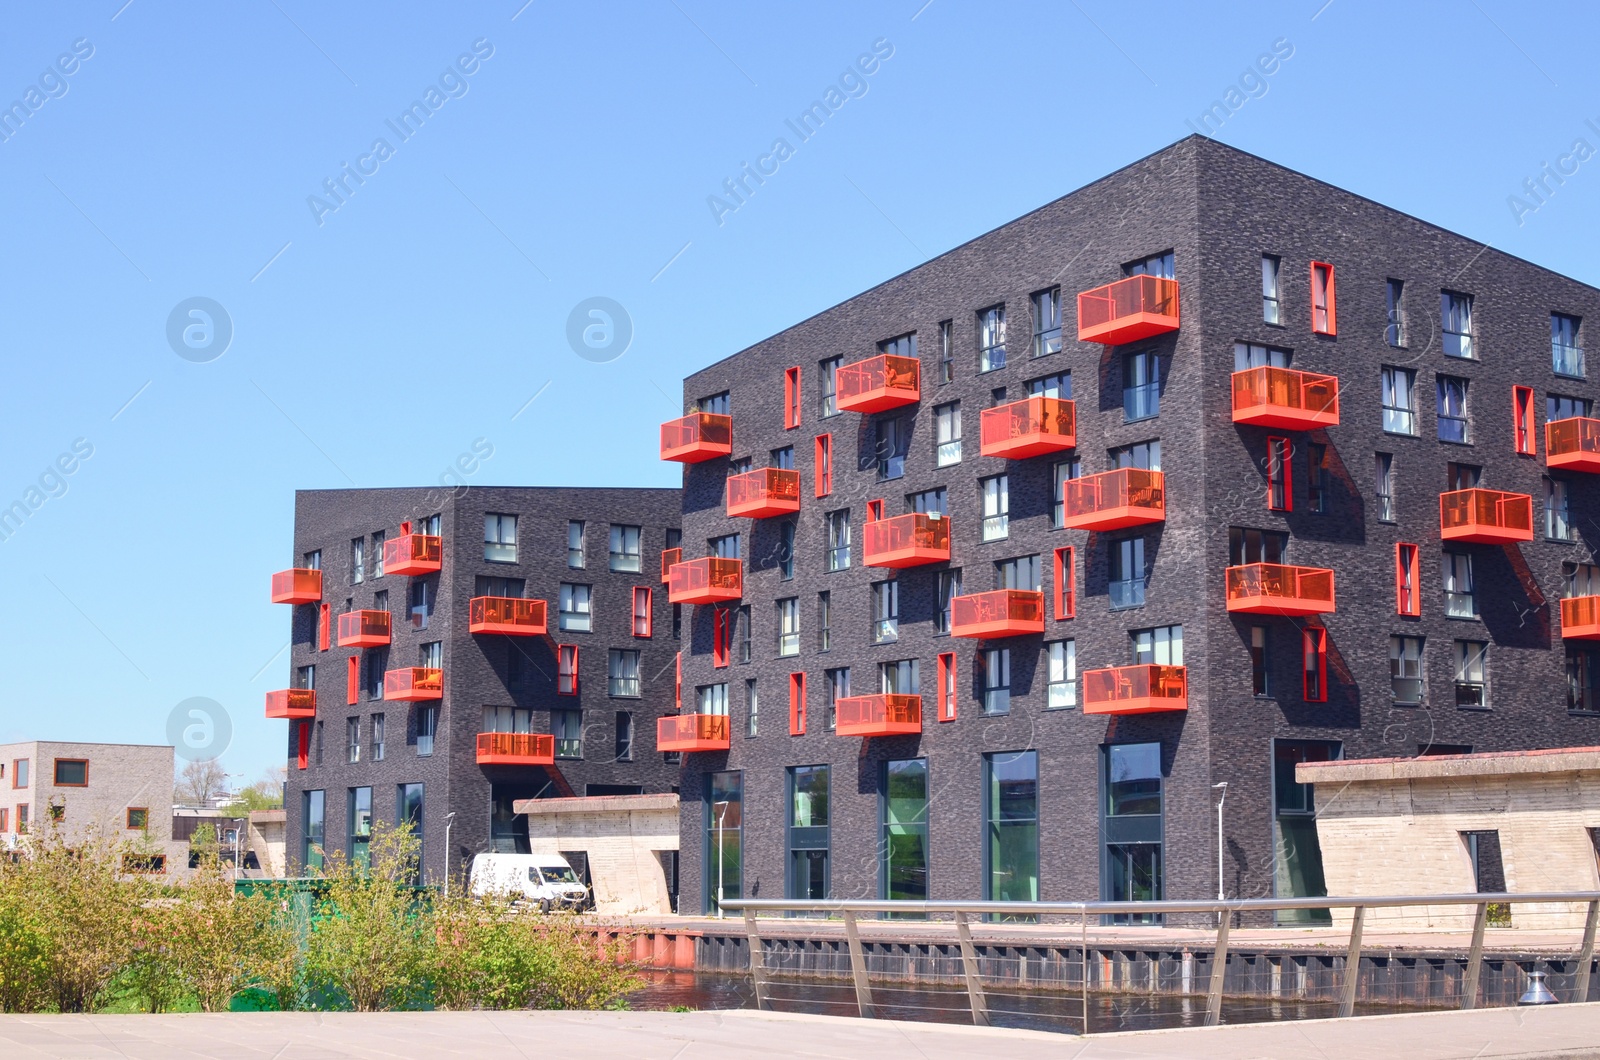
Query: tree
[
  {"x": 264, "y": 794},
  {"x": 200, "y": 779}
]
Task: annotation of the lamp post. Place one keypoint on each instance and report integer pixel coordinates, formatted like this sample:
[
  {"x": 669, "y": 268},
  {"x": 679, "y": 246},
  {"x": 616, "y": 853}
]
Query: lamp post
[
  {"x": 1221, "y": 786},
  {"x": 722, "y": 817},
  {"x": 449, "y": 819}
]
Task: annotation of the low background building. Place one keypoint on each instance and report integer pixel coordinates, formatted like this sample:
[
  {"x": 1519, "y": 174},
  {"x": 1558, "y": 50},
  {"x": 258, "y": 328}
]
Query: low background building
[{"x": 625, "y": 847}]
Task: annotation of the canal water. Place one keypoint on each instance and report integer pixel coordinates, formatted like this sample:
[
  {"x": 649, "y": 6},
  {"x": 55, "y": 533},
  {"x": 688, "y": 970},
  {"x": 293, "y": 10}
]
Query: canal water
[{"x": 938, "y": 1004}]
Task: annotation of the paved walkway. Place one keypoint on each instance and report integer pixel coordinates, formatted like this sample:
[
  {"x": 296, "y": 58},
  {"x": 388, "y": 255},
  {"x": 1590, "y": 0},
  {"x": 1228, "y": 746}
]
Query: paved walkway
[{"x": 1553, "y": 1031}]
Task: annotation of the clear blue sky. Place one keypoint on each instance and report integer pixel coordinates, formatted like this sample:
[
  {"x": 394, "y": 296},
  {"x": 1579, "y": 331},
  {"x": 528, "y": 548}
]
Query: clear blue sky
[{"x": 426, "y": 310}]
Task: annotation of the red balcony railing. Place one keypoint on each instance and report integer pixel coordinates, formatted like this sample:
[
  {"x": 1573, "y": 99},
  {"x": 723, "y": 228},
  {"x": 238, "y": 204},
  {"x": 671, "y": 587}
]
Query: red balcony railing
[
  {"x": 877, "y": 383},
  {"x": 886, "y": 714},
  {"x": 1274, "y": 589},
  {"x": 516, "y": 749},
  {"x": 1141, "y": 689},
  {"x": 1573, "y": 444},
  {"x": 1002, "y": 613},
  {"x": 413, "y": 554},
  {"x": 1490, "y": 517},
  {"x": 510, "y": 615},
  {"x": 669, "y": 556},
  {"x": 1129, "y": 496},
  {"x": 907, "y": 540},
  {"x": 1030, "y": 427},
  {"x": 710, "y": 580},
  {"x": 1286, "y": 399},
  {"x": 297, "y": 586},
  {"x": 692, "y": 732},
  {"x": 1580, "y": 618},
  {"x": 413, "y": 683},
  {"x": 696, "y": 437},
  {"x": 1128, "y": 310},
  {"x": 292, "y": 703},
  {"x": 363, "y": 629},
  {"x": 762, "y": 493}
]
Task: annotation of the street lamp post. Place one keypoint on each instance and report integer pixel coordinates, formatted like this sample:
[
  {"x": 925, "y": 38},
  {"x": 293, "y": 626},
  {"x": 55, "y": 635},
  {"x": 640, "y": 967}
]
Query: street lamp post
[
  {"x": 449, "y": 819},
  {"x": 1221, "y": 786},
  {"x": 722, "y": 817}
]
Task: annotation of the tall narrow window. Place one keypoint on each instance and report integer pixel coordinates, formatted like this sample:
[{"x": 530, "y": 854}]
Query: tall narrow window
[
  {"x": 743, "y": 619},
  {"x": 1126, "y": 572},
  {"x": 1472, "y": 682},
  {"x": 1280, "y": 495},
  {"x": 1062, "y": 472},
  {"x": 996, "y": 494},
  {"x": 947, "y": 434},
  {"x": 721, "y": 636},
  {"x": 625, "y": 553},
  {"x": 904, "y": 836},
  {"x": 822, "y": 474},
  {"x": 1557, "y": 511},
  {"x": 567, "y": 727},
  {"x": 1384, "y": 475},
  {"x": 828, "y": 378},
  {"x": 1141, "y": 386},
  {"x": 752, "y": 709},
  {"x": 885, "y": 612},
  {"x": 1566, "y": 345},
  {"x": 825, "y": 621},
  {"x": 1407, "y": 598},
  {"x": 1394, "y": 331},
  {"x": 1061, "y": 688},
  {"x": 947, "y": 686},
  {"x": 427, "y": 729},
  {"x": 1047, "y": 322},
  {"x": 1324, "y": 311},
  {"x": 574, "y": 608},
  {"x": 575, "y": 544},
  {"x": 324, "y": 620},
  {"x": 1271, "y": 306},
  {"x": 947, "y": 353},
  {"x": 622, "y": 673},
  {"x": 791, "y": 398},
  {"x": 1453, "y": 422},
  {"x": 358, "y": 560},
  {"x": 786, "y": 550},
  {"x": 1260, "y": 668},
  {"x": 992, "y": 338},
  {"x": 947, "y": 586},
  {"x": 1314, "y": 653},
  {"x": 893, "y": 442},
  {"x": 1455, "y": 324},
  {"x": 567, "y": 670},
  {"x": 1405, "y": 670},
  {"x": 1011, "y": 826},
  {"x": 1066, "y": 583},
  {"x": 1317, "y": 477},
  {"x": 499, "y": 538},
  {"x": 797, "y": 704},
  {"x": 1399, "y": 401},
  {"x": 789, "y": 626},
  {"x": 838, "y": 557},
  {"x": 996, "y": 680},
  {"x": 641, "y": 611},
  {"x": 377, "y": 737},
  {"x": 1522, "y": 436},
  {"x": 836, "y": 685}
]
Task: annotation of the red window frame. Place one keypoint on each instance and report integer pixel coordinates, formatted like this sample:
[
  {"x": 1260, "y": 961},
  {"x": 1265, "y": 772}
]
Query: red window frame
[
  {"x": 643, "y": 617},
  {"x": 55, "y": 773},
  {"x": 1280, "y": 475},
  {"x": 1329, "y": 302},
  {"x": 677, "y": 682},
  {"x": 797, "y": 704},
  {"x": 352, "y": 679},
  {"x": 302, "y": 751},
  {"x": 874, "y": 511},
  {"x": 1407, "y": 583},
  {"x": 791, "y": 398},
  {"x": 721, "y": 634},
  {"x": 1522, "y": 435},
  {"x": 566, "y": 669},
  {"x": 823, "y": 472},
  {"x": 947, "y": 686},
  {"x": 1314, "y": 656},
  {"x": 1066, "y": 579},
  {"x": 128, "y": 820},
  {"x": 322, "y": 628},
  {"x": 5, "y": 819}
]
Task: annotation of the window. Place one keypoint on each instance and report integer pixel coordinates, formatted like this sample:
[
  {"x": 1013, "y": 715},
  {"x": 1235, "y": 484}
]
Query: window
[
  {"x": 1047, "y": 322},
  {"x": 822, "y": 473},
  {"x": 567, "y": 670},
  {"x": 625, "y": 548},
  {"x": 791, "y": 398},
  {"x": 1062, "y": 472},
  {"x": 789, "y": 626},
  {"x": 377, "y": 663},
  {"x": 358, "y": 816},
  {"x": 1453, "y": 424},
  {"x": 929, "y": 502},
  {"x": 1314, "y": 657},
  {"x": 1162, "y": 646},
  {"x": 1384, "y": 474},
  {"x": 318, "y": 725},
  {"x": 947, "y": 353},
  {"x": 752, "y": 709},
  {"x": 1317, "y": 477},
  {"x": 323, "y": 625},
  {"x": 22, "y": 819},
  {"x": 797, "y": 704},
  {"x": 824, "y": 621},
  {"x": 1061, "y": 689},
  {"x": 575, "y": 544},
  {"x": 138, "y": 819},
  {"x": 1472, "y": 687},
  {"x": 743, "y": 620},
  {"x": 1066, "y": 575},
  {"x": 947, "y": 587},
  {"x": 313, "y": 817},
  {"x": 806, "y": 878},
  {"x": 893, "y": 442},
  {"x": 567, "y": 726},
  {"x": 782, "y": 458},
  {"x": 711, "y": 699},
  {"x": 1019, "y": 573},
  {"x": 1583, "y": 683},
  {"x": 1146, "y": 455},
  {"x": 1011, "y": 826},
  {"x": 1407, "y": 600},
  {"x": 1399, "y": 401},
  {"x": 1127, "y": 572},
  {"x": 786, "y": 531},
  {"x": 991, "y": 338},
  {"x": 996, "y": 494},
  {"x": 312, "y": 560},
  {"x": 1271, "y": 307},
  {"x": 947, "y": 434},
  {"x": 1558, "y": 407},
  {"x": 1324, "y": 312},
  {"x": 1557, "y": 511},
  {"x": 624, "y": 743},
  {"x": 836, "y": 683},
  {"x": 421, "y": 604},
  {"x": 1462, "y": 476},
  {"x": 677, "y": 621},
  {"x": 499, "y": 538},
  {"x": 721, "y": 636},
  {"x": 1455, "y": 323},
  {"x": 1583, "y": 580},
  {"x": 1405, "y": 670},
  {"x": 622, "y": 673},
  {"x": 72, "y": 772},
  {"x": 1248, "y": 355},
  {"x": 717, "y": 403},
  {"x": 946, "y": 693},
  {"x": 828, "y": 386},
  {"x": 1280, "y": 492},
  {"x": 739, "y": 467},
  {"x": 352, "y": 739},
  {"x": 506, "y": 719},
  {"x": 904, "y": 830},
  {"x": 427, "y": 727},
  {"x": 996, "y": 680},
  {"x": 377, "y": 737},
  {"x": 1141, "y": 386},
  {"x": 377, "y": 553},
  {"x": 838, "y": 557},
  {"x": 724, "y": 547},
  {"x": 1522, "y": 436},
  {"x": 1566, "y": 346},
  {"x": 1161, "y": 265},
  {"x": 885, "y": 612},
  {"x": 900, "y": 346},
  {"x": 1394, "y": 332},
  {"x": 574, "y": 615},
  {"x": 1260, "y": 675},
  {"x": 358, "y": 560},
  {"x": 642, "y": 611},
  {"x": 1297, "y": 856}
]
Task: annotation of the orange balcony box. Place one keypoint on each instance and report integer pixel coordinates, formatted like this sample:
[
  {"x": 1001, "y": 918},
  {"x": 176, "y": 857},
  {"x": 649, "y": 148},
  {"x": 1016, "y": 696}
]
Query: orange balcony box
[
  {"x": 1002, "y": 613},
  {"x": 907, "y": 540},
  {"x": 516, "y": 749},
  {"x": 1286, "y": 399},
  {"x": 1030, "y": 427},
  {"x": 1573, "y": 444},
  {"x": 762, "y": 493},
  {"x": 692, "y": 732},
  {"x": 887, "y": 714},
  {"x": 292, "y": 703},
  {"x": 712, "y": 580},
  {"x": 1142, "y": 689},
  {"x": 413, "y": 683},
  {"x": 1111, "y": 500},
  {"x": 297, "y": 586},
  {"x": 1580, "y": 618},
  {"x": 363, "y": 629},
  {"x": 1274, "y": 589},
  {"x": 510, "y": 615},
  {"x": 1487, "y": 517},
  {"x": 878, "y": 383},
  {"x": 1128, "y": 310},
  {"x": 669, "y": 556},
  {"x": 696, "y": 437},
  {"x": 413, "y": 554}
]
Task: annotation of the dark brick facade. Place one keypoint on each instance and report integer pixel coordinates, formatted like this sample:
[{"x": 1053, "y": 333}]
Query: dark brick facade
[{"x": 1218, "y": 210}]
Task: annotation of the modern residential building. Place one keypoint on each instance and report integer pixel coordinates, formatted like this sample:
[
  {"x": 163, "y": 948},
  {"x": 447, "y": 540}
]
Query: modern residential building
[
  {"x": 454, "y": 651},
  {"x": 996, "y": 572}
]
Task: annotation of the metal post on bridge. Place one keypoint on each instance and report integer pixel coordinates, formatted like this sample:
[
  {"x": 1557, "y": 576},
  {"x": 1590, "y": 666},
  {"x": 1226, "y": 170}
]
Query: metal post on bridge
[
  {"x": 1469, "y": 987},
  {"x": 1219, "y": 971},
  {"x": 1580, "y": 989},
  {"x": 858, "y": 966},
  {"x": 1352, "y": 963},
  {"x": 969, "y": 969},
  {"x": 758, "y": 962}
]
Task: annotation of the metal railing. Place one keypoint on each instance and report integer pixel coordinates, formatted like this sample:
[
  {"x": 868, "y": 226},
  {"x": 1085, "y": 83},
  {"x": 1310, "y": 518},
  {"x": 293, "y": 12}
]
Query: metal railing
[{"x": 1485, "y": 907}]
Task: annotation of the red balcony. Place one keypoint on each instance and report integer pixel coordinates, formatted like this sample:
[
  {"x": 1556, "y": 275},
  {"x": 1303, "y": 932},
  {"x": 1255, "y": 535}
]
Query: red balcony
[
  {"x": 1580, "y": 618},
  {"x": 511, "y": 615},
  {"x": 763, "y": 493},
  {"x": 1142, "y": 689},
  {"x": 413, "y": 554},
  {"x": 669, "y": 556},
  {"x": 1286, "y": 399},
  {"x": 878, "y": 383},
  {"x": 1488, "y": 517},
  {"x": 292, "y": 703},
  {"x": 907, "y": 540},
  {"x": 887, "y": 714},
  {"x": 413, "y": 683},
  {"x": 1030, "y": 427},
  {"x": 297, "y": 586},
  {"x": 1273, "y": 589},
  {"x": 516, "y": 749},
  {"x": 1128, "y": 310},
  {"x": 692, "y": 732},
  {"x": 1002, "y": 613},
  {"x": 696, "y": 437},
  {"x": 363, "y": 629},
  {"x": 1111, "y": 500},
  {"x": 1573, "y": 444},
  {"x": 712, "y": 580}
]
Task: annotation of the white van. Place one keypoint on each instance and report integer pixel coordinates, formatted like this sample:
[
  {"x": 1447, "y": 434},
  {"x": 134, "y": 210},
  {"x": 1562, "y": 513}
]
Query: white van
[{"x": 543, "y": 878}]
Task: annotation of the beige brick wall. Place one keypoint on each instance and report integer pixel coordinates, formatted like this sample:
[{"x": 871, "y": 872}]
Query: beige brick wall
[{"x": 622, "y": 836}]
